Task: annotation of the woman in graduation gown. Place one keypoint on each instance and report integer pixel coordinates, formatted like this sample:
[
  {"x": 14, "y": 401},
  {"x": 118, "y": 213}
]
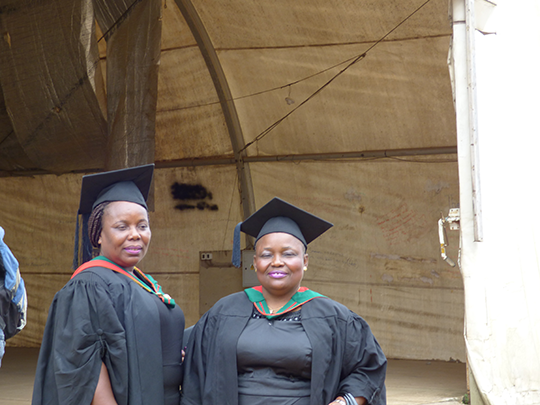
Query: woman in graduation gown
[
  {"x": 112, "y": 336},
  {"x": 280, "y": 343}
]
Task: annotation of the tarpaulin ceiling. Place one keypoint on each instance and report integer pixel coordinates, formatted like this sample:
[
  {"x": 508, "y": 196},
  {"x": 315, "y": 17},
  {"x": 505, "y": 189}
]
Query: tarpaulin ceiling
[
  {"x": 377, "y": 68},
  {"x": 344, "y": 108}
]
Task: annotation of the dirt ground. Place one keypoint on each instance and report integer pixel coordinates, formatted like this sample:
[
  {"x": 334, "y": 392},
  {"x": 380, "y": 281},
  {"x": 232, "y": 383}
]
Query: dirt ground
[{"x": 408, "y": 382}]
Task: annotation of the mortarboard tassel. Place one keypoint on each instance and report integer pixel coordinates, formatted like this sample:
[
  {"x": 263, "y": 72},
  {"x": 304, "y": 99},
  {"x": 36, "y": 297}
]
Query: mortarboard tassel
[
  {"x": 82, "y": 251},
  {"x": 237, "y": 252}
]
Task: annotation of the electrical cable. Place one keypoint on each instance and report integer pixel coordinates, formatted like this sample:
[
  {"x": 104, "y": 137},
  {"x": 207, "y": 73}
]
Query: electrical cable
[
  {"x": 354, "y": 61},
  {"x": 119, "y": 20}
]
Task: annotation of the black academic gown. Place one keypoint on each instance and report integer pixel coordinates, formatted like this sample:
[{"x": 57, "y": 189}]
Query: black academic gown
[
  {"x": 345, "y": 355},
  {"x": 100, "y": 316}
]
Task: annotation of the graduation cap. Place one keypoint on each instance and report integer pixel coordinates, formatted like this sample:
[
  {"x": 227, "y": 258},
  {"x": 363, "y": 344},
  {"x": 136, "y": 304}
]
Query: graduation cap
[
  {"x": 279, "y": 216},
  {"x": 132, "y": 185}
]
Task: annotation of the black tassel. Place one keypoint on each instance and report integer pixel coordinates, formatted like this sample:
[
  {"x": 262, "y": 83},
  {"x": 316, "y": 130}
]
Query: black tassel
[
  {"x": 237, "y": 252},
  {"x": 75, "y": 264},
  {"x": 82, "y": 251}
]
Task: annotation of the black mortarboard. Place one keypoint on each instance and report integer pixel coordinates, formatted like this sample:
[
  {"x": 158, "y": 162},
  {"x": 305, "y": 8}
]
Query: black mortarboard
[
  {"x": 132, "y": 185},
  {"x": 279, "y": 216}
]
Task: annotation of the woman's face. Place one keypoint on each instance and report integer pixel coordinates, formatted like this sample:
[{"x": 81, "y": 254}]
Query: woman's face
[
  {"x": 125, "y": 234},
  {"x": 280, "y": 259}
]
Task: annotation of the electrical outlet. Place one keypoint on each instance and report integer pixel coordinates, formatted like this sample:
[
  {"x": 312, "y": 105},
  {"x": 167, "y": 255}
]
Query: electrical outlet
[{"x": 206, "y": 256}]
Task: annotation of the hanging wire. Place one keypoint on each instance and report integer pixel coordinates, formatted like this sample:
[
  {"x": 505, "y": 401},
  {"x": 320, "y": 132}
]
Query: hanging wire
[
  {"x": 119, "y": 20},
  {"x": 258, "y": 93},
  {"x": 413, "y": 160},
  {"x": 355, "y": 60},
  {"x": 6, "y": 137},
  {"x": 378, "y": 159}
]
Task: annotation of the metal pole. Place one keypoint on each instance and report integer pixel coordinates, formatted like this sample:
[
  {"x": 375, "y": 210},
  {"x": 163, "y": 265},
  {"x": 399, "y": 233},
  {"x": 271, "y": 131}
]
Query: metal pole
[{"x": 470, "y": 32}]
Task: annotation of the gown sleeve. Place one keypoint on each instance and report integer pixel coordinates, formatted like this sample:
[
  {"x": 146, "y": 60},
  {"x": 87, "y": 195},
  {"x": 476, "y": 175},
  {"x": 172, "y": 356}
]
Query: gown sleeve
[
  {"x": 364, "y": 364},
  {"x": 210, "y": 374},
  {"x": 82, "y": 331},
  {"x": 195, "y": 363}
]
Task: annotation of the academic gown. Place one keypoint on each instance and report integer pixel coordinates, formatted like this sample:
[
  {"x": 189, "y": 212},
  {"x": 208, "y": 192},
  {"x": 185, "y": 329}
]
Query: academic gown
[
  {"x": 101, "y": 316},
  {"x": 345, "y": 355}
]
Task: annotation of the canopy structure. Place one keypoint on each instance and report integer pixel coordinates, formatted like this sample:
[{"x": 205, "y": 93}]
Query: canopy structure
[
  {"x": 497, "y": 145},
  {"x": 344, "y": 109},
  {"x": 347, "y": 109}
]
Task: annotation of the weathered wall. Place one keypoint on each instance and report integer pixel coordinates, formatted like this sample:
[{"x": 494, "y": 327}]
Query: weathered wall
[
  {"x": 381, "y": 259},
  {"x": 38, "y": 215}
]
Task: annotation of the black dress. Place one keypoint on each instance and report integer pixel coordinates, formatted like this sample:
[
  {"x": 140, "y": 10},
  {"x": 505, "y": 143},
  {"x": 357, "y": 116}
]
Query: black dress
[
  {"x": 345, "y": 356},
  {"x": 274, "y": 361},
  {"x": 101, "y": 316},
  {"x": 172, "y": 328}
]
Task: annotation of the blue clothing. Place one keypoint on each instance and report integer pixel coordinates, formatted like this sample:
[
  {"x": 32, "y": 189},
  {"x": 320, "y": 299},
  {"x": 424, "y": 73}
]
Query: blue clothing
[{"x": 13, "y": 302}]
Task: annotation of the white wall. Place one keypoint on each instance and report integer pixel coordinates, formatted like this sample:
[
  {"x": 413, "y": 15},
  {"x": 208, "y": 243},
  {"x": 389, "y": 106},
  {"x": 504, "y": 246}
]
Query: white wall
[{"x": 502, "y": 273}]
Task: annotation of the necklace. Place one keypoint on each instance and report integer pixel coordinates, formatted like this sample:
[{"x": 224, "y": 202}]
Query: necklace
[{"x": 273, "y": 311}]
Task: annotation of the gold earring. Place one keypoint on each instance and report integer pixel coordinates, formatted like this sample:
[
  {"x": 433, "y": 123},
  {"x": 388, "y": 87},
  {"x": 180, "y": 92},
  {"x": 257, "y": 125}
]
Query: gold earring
[
  {"x": 305, "y": 268},
  {"x": 254, "y": 268}
]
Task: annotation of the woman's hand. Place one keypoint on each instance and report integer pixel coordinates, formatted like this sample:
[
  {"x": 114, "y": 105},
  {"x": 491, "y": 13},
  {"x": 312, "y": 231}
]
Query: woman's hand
[{"x": 341, "y": 401}]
